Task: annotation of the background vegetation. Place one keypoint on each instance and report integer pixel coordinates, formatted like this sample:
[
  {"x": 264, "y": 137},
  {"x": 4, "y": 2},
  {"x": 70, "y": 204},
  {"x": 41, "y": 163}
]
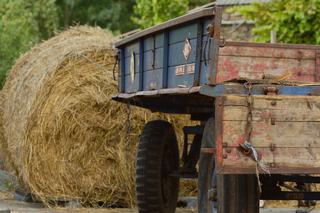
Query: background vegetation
[
  {"x": 23, "y": 23},
  {"x": 294, "y": 21}
]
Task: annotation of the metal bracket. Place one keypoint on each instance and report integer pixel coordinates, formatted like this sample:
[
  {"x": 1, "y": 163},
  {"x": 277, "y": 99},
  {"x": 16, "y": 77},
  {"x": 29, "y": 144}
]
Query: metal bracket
[
  {"x": 271, "y": 90},
  {"x": 208, "y": 150}
]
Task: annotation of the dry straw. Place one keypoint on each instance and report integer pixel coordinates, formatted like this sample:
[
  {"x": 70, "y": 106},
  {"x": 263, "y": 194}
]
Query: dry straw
[{"x": 66, "y": 136}]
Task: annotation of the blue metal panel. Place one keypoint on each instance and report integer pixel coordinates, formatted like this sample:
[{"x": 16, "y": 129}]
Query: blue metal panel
[
  {"x": 141, "y": 64},
  {"x": 180, "y": 34},
  {"x": 203, "y": 76},
  {"x": 132, "y": 86},
  {"x": 154, "y": 41},
  {"x": 165, "y": 60},
  {"x": 158, "y": 55},
  {"x": 206, "y": 23},
  {"x": 180, "y": 81},
  {"x": 176, "y": 53},
  {"x": 122, "y": 70},
  {"x": 159, "y": 40},
  {"x": 132, "y": 48},
  {"x": 149, "y": 43},
  {"x": 198, "y": 54},
  {"x": 158, "y": 59},
  {"x": 153, "y": 79},
  {"x": 128, "y": 62}
]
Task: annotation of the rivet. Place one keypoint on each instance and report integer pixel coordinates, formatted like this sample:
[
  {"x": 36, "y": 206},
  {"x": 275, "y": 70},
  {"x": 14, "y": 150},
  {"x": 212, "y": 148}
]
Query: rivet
[{"x": 272, "y": 147}]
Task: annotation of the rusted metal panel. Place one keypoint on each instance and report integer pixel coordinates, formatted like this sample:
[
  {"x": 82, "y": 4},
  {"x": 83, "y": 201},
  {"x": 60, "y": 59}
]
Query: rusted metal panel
[
  {"x": 214, "y": 33},
  {"x": 254, "y": 61},
  {"x": 285, "y": 132}
]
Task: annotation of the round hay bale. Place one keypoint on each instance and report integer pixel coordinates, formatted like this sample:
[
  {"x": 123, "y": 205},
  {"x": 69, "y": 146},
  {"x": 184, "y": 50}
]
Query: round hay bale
[
  {"x": 67, "y": 138},
  {"x": 65, "y": 134},
  {"x": 6, "y": 162}
]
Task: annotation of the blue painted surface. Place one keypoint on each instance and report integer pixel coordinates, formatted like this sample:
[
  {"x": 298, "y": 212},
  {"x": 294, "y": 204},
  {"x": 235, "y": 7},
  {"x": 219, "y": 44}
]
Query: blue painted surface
[
  {"x": 181, "y": 81},
  {"x": 164, "y": 50},
  {"x": 166, "y": 55},
  {"x": 158, "y": 59},
  {"x": 176, "y": 50},
  {"x": 181, "y": 33},
  {"x": 132, "y": 48},
  {"x": 153, "y": 79},
  {"x": 141, "y": 64},
  {"x": 122, "y": 70},
  {"x": 132, "y": 86},
  {"x": 199, "y": 52},
  {"x": 154, "y": 41},
  {"x": 136, "y": 62}
]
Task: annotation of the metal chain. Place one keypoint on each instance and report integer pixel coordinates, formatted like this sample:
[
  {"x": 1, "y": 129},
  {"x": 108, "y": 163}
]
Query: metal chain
[{"x": 247, "y": 146}]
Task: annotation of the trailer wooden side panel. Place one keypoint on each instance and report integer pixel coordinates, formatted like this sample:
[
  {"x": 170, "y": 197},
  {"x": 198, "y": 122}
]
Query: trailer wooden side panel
[
  {"x": 255, "y": 61},
  {"x": 286, "y": 133}
]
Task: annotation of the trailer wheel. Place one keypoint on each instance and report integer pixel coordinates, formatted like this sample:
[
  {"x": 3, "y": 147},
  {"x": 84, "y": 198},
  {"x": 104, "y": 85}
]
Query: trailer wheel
[
  {"x": 157, "y": 159},
  {"x": 237, "y": 193},
  {"x": 223, "y": 193}
]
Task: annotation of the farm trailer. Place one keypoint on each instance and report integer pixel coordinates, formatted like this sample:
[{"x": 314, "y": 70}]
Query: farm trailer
[{"x": 258, "y": 107}]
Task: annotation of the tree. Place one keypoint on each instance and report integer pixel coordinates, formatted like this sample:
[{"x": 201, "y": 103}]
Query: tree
[
  {"x": 111, "y": 14},
  {"x": 197, "y": 3},
  {"x": 151, "y": 12},
  {"x": 294, "y": 21},
  {"x": 22, "y": 24}
]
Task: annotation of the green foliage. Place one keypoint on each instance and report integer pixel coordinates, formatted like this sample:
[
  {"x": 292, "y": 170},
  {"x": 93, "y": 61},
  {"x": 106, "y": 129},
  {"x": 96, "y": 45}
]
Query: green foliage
[
  {"x": 295, "y": 21},
  {"x": 111, "y": 14},
  {"x": 22, "y": 24},
  {"x": 197, "y": 3},
  {"x": 151, "y": 12}
]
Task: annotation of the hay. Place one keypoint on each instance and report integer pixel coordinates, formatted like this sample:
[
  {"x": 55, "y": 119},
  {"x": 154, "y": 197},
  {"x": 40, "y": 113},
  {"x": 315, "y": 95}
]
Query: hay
[
  {"x": 6, "y": 162},
  {"x": 66, "y": 136},
  {"x": 63, "y": 131}
]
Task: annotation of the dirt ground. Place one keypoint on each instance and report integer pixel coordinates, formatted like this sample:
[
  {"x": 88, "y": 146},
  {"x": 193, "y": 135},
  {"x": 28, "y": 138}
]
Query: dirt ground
[{"x": 9, "y": 205}]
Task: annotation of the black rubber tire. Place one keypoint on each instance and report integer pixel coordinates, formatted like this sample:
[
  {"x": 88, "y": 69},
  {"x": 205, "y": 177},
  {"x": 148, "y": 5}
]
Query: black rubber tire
[
  {"x": 232, "y": 193},
  {"x": 237, "y": 194},
  {"x": 157, "y": 157}
]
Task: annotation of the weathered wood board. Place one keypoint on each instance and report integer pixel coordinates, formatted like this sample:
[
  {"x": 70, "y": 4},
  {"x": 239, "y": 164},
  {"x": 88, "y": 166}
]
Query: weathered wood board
[
  {"x": 286, "y": 133},
  {"x": 253, "y": 61}
]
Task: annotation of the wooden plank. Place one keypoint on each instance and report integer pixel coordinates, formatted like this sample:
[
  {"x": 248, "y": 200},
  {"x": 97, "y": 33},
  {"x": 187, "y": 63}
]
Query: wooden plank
[
  {"x": 283, "y": 134},
  {"x": 281, "y": 160},
  {"x": 267, "y": 51},
  {"x": 254, "y": 67},
  {"x": 280, "y": 108},
  {"x": 290, "y": 144}
]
